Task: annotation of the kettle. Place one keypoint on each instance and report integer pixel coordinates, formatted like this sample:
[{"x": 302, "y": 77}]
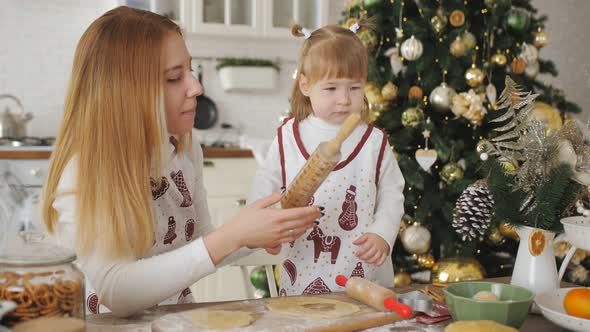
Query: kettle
[{"x": 13, "y": 124}]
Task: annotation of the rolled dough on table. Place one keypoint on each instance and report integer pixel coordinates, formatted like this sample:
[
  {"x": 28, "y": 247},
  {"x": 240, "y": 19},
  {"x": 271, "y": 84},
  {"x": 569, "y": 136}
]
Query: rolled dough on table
[
  {"x": 313, "y": 307},
  {"x": 219, "y": 319}
]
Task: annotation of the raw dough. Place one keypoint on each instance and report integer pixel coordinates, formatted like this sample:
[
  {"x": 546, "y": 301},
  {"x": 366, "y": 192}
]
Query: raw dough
[
  {"x": 219, "y": 319},
  {"x": 485, "y": 296},
  {"x": 309, "y": 306},
  {"x": 478, "y": 326}
]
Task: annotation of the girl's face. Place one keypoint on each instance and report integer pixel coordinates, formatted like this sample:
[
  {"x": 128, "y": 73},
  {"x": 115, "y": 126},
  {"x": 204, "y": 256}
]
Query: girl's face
[
  {"x": 334, "y": 99},
  {"x": 180, "y": 85}
]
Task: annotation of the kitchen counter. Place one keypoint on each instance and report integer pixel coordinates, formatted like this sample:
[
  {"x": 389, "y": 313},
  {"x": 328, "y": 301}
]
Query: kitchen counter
[
  {"x": 34, "y": 152},
  {"x": 109, "y": 323}
]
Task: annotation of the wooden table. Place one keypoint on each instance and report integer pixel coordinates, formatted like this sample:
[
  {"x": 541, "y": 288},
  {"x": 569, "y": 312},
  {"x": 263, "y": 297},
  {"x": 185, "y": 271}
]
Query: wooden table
[{"x": 109, "y": 323}]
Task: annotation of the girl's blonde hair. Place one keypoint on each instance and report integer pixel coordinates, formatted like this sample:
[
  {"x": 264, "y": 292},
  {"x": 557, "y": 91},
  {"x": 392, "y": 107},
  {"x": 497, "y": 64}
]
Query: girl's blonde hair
[
  {"x": 329, "y": 52},
  {"x": 113, "y": 127}
]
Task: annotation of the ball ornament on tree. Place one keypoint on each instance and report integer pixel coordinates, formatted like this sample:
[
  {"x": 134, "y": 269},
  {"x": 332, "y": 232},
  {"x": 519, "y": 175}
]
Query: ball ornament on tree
[
  {"x": 370, "y": 3},
  {"x": 474, "y": 76},
  {"x": 415, "y": 92},
  {"x": 469, "y": 40},
  {"x": 499, "y": 59},
  {"x": 389, "y": 91},
  {"x": 412, "y": 49},
  {"x": 412, "y": 117},
  {"x": 441, "y": 97},
  {"x": 416, "y": 239},
  {"x": 426, "y": 261},
  {"x": 529, "y": 53},
  {"x": 531, "y": 70},
  {"x": 401, "y": 279},
  {"x": 457, "y": 18},
  {"x": 458, "y": 47},
  {"x": 451, "y": 172},
  {"x": 541, "y": 39},
  {"x": 547, "y": 115},
  {"x": 518, "y": 20},
  {"x": 258, "y": 278}
]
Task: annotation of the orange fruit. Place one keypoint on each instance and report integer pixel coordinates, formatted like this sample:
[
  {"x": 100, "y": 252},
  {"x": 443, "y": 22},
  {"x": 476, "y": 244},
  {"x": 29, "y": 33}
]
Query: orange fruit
[
  {"x": 577, "y": 302},
  {"x": 537, "y": 242}
]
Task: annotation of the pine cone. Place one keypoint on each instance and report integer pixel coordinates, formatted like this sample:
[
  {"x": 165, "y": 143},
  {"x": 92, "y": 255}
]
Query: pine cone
[{"x": 473, "y": 211}]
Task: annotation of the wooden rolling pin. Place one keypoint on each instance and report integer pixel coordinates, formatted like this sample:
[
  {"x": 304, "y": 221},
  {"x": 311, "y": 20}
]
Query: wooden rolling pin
[
  {"x": 317, "y": 168},
  {"x": 378, "y": 297}
]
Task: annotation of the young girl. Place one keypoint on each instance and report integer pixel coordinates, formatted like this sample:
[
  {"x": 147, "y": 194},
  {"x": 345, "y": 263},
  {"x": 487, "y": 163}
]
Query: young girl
[
  {"x": 125, "y": 186},
  {"x": 362, "y": 196}
]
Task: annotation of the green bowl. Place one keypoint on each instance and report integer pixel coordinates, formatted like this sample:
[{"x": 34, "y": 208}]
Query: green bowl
[{"x": 511, "y": 309}]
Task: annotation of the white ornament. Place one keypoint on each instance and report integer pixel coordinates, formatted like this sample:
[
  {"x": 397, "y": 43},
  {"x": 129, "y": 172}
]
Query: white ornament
[
  {"x": 529, "y": 53},
  {"x": 426, "y": 158},
  {"x": 532, "y": 69},
  {"x": 441, "y": 97},
  {"x": 412, "y": 49},
  {"x": 416, "y": 239},
  {"x": 484, "y": 156},
  {"x": 394, "y": 60},
  {"x": 492, "y": 94}
]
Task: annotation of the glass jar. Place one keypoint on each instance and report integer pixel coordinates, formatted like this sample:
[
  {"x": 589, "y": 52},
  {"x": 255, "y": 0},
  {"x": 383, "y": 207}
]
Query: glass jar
[{"x": 42, "y": 279}]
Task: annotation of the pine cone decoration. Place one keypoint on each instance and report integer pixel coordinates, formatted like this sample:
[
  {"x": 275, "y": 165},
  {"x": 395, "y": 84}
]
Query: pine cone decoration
[{"x": 473, "y": 211}]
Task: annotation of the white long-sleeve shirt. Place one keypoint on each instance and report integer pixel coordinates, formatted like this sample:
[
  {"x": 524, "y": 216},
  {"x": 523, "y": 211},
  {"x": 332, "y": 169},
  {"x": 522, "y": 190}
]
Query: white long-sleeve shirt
[
  {"x": 178, "y": 257},
  {"x": 365, "y": 191}
]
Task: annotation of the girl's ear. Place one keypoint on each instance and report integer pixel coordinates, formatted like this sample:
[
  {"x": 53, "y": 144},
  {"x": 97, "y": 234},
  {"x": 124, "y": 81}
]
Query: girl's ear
[{"x": 304, "y": 85}]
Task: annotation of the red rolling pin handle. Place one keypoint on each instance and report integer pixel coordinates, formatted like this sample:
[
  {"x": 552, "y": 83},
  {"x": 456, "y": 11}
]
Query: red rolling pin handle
[{"x": 390, "y": 303}]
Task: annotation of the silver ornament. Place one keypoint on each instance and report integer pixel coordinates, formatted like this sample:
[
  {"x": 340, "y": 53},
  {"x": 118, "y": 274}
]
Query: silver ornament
[
  {"x": 441, "y": 97},
  {"x": 412, "y": 48},
  {"x": 492, "y": 94},
  {"x": 416, "y": 239}
]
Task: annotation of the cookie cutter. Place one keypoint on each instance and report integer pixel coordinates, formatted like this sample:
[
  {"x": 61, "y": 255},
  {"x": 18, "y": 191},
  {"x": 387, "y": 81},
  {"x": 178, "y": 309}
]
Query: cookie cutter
[{"x": 417, "y": 300}]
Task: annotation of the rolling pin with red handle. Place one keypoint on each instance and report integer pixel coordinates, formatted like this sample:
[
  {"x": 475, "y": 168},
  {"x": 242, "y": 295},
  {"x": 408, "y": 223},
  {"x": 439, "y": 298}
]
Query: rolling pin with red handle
[
  {"x": 319, "y": 165},
  {"x": 378, "y": 297}
]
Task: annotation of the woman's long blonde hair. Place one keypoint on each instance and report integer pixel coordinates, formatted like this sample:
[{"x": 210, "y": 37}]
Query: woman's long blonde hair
[
  {"x": 330, "y": 52},
  {"x": 113, "y": 127}
]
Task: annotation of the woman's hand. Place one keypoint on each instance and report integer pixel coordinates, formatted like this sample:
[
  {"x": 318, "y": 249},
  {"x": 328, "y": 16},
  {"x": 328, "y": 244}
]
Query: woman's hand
[{"x": 260, "y": 226}]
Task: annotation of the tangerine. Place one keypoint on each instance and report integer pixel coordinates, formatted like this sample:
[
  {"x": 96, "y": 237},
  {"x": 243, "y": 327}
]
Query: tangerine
[{"x": 577, "y": 302}]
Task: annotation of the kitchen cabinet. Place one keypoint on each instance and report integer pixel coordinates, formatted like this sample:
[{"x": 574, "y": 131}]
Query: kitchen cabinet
[{"x": 255, "y": 18}]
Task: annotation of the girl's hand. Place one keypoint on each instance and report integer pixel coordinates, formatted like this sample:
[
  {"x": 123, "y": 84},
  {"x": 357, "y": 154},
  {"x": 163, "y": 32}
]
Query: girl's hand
[
  {"x": 274, "y": 250},
  {"x": 259, "y": 226},
  {"x": 374, "y": 249}
]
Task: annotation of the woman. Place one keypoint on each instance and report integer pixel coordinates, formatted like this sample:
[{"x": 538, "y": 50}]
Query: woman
[{"x": 125, "y": 187}]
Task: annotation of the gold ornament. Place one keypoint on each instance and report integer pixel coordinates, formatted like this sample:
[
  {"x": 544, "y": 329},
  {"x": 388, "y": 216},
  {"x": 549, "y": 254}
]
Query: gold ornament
[
  {"x": 457, "y": 269},
  {"x": 517, "y": 66},
  {"x": 426, "y": 261},
  {"x": 401, "y": 280},
  {"x": 389, "y": 91},
  {"x": 474, "y": 76},
  {"x": 547, "y": 114},
  {"x": 415, "y": 92},
  {"x": 469, "y": 40},
  {"x": 439, "y": 21},
  {"x": 541, "y": 39},
  {"x": 457, "y": 18},
  {"x": 451, "y": 172},
  {"x": 369, "y": 39},
  {"x": 441, "y": 97},
  {"x": 508, "y": 166},
  {"x": 499, "y": 59},
  {"x": 412, "y": 117},
  {"x": 373, "y": 94},
  {"x": 470, "y": 106},
  {"x": 496, "y": 237},
  {"x": 458, "y": 47},
  {"x": 416, "y": 239},
  {"x": 508, "y": 231},
  {"x": 561, "y": 248}
]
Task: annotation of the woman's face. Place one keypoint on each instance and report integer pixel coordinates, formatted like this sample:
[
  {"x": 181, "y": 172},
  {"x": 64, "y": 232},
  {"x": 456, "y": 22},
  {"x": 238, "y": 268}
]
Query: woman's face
[{"x": 180, "y": 85}]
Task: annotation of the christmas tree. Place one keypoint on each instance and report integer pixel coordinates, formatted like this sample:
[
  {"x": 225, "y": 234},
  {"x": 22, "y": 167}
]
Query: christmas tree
[{"x": 436, "y": 71}]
